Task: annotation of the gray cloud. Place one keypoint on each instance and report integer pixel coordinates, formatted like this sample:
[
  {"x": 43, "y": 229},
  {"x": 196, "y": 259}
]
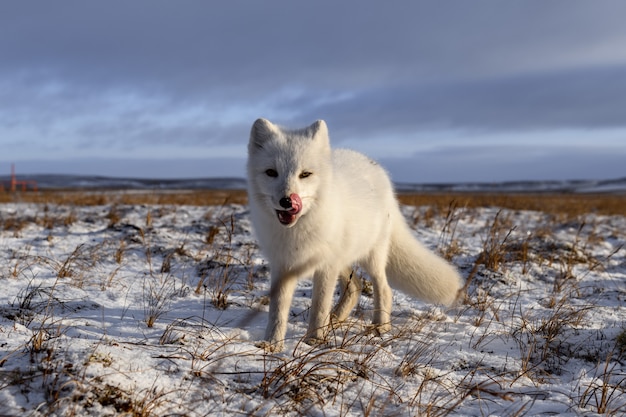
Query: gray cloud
[
  {"x": 507, "y": 163},
  {"x": 585, "y": 99}
]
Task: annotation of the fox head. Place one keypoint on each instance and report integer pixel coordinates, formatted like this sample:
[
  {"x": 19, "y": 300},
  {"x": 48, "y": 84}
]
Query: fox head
[{"x": 286, "y": 168}]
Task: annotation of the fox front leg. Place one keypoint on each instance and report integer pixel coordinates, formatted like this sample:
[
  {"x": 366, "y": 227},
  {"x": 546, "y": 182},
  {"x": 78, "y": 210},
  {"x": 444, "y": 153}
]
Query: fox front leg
[{"x": 281, "y": 294}]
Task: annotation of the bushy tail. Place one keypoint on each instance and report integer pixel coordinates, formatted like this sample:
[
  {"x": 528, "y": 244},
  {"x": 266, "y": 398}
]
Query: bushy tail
[{"x": 416, "y": 271}]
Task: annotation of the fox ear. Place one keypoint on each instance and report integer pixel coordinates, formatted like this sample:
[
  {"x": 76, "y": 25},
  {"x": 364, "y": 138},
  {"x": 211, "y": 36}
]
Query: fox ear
[
  {"x": 261, "y": 131},
  {"x": 319, "y": 132},
  {"x": 318, "y": 128}
]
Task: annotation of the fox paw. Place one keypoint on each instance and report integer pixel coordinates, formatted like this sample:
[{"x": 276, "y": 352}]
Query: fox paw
[
  {"x": 314, "y": 341},
  {"x": 270, "y": 347},
  {"x": 379, "y": 329}
]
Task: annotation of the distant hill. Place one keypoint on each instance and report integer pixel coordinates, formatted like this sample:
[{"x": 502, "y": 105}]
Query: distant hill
[
  {"x": 575, "y": 186},
  {"x": 47, "y": 182}
]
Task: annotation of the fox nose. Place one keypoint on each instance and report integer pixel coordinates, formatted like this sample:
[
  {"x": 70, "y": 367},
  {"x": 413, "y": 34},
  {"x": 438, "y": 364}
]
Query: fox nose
[{"x": 285, "y": 202}]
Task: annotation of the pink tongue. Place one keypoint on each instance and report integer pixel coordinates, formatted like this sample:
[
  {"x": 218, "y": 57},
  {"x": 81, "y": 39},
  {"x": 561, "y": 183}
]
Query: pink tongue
[{"x": 296, "y": 204}]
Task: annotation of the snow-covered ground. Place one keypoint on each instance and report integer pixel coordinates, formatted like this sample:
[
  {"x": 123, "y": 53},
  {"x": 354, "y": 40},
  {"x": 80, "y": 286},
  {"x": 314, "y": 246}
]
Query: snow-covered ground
[{"x": 155, "y": 310}]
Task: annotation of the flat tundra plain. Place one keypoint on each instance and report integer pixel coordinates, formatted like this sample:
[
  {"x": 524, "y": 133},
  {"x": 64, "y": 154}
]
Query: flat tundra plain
[{"x": 149, "y": 305}]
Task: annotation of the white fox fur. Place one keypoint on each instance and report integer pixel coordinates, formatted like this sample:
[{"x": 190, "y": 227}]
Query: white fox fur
[{"x": 319, "y": 211}]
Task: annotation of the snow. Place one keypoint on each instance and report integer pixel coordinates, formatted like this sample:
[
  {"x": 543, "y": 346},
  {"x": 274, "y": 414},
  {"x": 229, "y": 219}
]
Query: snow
[{"x": 155, "y": 310}]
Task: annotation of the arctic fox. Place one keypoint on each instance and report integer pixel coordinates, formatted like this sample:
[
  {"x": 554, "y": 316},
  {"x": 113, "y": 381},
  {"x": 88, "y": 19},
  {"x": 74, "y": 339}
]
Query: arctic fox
[{"x": 319, "y": 211}]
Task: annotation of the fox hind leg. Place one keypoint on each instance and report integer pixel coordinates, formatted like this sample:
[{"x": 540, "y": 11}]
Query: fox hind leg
[
  {"x": 375, "y": 265},
  {"x": 324, "y": 283},
  {"x": 350, "y": 286}
]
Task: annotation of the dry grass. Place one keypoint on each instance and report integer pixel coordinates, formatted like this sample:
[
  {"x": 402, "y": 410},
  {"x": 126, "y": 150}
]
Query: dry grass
[
  {"x": 561, "y": 204},
  {"x": 570, "y": 205},
  {"x": 93, "y": 198}
]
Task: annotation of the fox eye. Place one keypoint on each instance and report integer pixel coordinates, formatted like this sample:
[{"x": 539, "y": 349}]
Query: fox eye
[
  {"x": 271, "y": 173},
  {"x": 305, "y": 174}
]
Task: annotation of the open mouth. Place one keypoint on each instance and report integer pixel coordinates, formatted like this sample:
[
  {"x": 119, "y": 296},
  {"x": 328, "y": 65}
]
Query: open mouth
[{"x": 294, "y": 206}]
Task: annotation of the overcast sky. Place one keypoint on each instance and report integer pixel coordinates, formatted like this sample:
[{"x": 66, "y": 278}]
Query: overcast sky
[{"x": 438, "y": 91}]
